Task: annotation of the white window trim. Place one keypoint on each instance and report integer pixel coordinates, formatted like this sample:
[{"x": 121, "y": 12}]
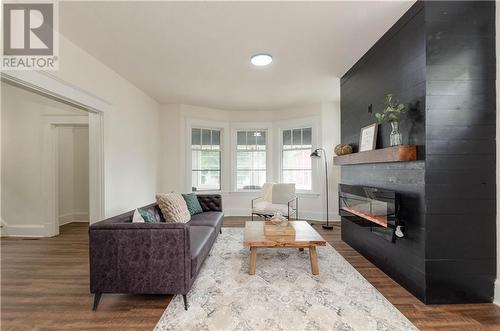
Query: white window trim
[
  {"x": 273, "y": 144},
  {"x": 246, "y": 126},
  {"x": 312, "y": 122},
  {"x": 224, "y": 141}
]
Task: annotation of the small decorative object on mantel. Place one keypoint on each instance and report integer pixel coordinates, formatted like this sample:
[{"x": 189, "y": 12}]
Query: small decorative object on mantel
[
  {"x": 368, "y": 138},
  {"x": 392, "y": 114},
  {"x": 343, "y": 149}
]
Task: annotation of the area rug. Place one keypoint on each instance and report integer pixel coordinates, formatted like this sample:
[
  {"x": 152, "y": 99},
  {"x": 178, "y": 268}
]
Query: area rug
[{"x": 282, "y": 295}]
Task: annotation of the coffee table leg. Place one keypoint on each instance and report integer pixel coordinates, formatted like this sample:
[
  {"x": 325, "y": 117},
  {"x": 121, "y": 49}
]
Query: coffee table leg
[
  {"x": 314, "y": 260},
  {"x": 253, "y": 260}
]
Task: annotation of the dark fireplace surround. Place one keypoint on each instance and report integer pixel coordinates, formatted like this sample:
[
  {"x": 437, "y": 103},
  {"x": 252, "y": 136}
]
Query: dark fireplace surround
[{"x": 439, "y": 59}]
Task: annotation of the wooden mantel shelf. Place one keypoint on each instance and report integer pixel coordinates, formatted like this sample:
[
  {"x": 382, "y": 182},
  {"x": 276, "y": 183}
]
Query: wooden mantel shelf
[{"x": 401, "y": 153}]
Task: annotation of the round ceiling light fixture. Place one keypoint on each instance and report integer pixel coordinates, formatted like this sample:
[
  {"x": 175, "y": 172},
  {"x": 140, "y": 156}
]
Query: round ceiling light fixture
[{"x": 261, "y": 60}]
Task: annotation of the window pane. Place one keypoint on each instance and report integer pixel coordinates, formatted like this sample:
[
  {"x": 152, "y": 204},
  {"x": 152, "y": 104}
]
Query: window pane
[
  {"x": 205, "y": 180},
  {"x": 259, "y": 160},
  {"x": 205, "y": 160},
  {"x": 287, "y": 137},
  {"x": 216, "y": 137},
  {"x": 297, "y": 159},
  {"x": 301, "y": 178},
  {"x": 250, "y": 180},
  {"x": 196, "y": 138},
  {"x": 307, "y": 137},
  {"x": 241, "y": 139},
  {"x": 244, "y": 160},
  {"x": 205, "y": 137},
  {"x": 251, "y": 139},
  {"x": 261, "y": 139},
  {"x": 251, "y": 160},
  {"x": 297, "y": 137}
]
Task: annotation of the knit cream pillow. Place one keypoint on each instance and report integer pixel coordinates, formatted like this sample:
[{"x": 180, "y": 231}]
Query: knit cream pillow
[{"x": 173, "y": 207}]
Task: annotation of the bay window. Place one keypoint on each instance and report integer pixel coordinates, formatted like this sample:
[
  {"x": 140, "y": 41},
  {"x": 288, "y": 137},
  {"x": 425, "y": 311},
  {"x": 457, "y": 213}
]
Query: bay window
[
  {"x": 250, "y": 159},
  {"x": 296, "y": 166},
  {"x": 205, "y": 159}
]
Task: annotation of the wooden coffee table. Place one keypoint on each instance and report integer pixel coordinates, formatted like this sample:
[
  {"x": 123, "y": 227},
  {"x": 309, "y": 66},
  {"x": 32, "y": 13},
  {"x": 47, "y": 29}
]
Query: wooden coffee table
[{"x": 305, "y": 237}]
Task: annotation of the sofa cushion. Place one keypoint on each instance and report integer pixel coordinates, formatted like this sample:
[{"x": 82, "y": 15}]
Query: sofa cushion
[
  {"x": 213, "y": 219},
  {"x": 192, "y": 203},
  {"x": 137, "y": 218},
  {"x": 173, "y": 207},
  {"x": 148, "y": 215},
  {"x": 201, "y": 241}
]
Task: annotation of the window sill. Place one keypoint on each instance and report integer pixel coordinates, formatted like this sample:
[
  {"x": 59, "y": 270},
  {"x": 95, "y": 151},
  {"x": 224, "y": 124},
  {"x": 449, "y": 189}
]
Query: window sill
[{"x": 308, "y": 194}]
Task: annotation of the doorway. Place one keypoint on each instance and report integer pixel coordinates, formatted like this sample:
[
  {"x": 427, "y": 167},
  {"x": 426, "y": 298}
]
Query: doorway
[
  {"x": 35, "y": 131},
  {"x": 73, "y": 174}
]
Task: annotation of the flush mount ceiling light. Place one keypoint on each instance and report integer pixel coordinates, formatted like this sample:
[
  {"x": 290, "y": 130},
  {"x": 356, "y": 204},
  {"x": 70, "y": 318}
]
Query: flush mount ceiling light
[{"x": 261, "y": 60}]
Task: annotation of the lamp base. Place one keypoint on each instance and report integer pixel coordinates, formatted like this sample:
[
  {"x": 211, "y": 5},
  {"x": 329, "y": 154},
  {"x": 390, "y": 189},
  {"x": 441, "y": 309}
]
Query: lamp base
[{"x": 327, "y": 227}]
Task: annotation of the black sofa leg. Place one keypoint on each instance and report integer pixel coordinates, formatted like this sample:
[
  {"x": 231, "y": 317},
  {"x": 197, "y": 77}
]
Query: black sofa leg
[
  {"x": 97, "y": 298},
  {"x": 220, "y": 231},
  {"x": 184, "y": 297}
]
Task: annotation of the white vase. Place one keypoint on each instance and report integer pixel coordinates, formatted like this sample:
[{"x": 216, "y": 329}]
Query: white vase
[{"x": 396, "y": 137}]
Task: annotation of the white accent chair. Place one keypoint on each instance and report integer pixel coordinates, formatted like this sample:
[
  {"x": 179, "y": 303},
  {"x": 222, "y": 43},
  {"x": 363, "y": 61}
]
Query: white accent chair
[{"x": 276, "y": 197}]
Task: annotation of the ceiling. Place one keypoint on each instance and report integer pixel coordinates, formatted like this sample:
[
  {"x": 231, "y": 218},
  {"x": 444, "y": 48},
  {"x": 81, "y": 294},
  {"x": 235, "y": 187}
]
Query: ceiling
[{"x": 199, "y": 52}]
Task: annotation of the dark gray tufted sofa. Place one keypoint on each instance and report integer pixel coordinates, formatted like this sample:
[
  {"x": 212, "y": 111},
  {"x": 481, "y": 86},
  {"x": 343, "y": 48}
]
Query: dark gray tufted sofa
[{"x": 151, "y": 258}]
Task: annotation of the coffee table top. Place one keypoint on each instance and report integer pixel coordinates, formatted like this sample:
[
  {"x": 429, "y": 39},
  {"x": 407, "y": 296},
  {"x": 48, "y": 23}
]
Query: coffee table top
[{"x": 304, "y": 236}]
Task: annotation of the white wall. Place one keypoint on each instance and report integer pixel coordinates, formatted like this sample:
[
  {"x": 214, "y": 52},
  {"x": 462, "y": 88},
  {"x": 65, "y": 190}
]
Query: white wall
[
  {"x": 23, "y": 209},
  {"x": 131, "y": 129},
  {"x": 73, "y": 154},
  {"x": 81, "y": 173},
  {"x": 174, "y": 119}
]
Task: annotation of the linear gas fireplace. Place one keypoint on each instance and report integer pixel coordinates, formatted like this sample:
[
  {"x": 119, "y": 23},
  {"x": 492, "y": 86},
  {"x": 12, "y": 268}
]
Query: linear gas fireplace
[{"x": 372, "y": 207}]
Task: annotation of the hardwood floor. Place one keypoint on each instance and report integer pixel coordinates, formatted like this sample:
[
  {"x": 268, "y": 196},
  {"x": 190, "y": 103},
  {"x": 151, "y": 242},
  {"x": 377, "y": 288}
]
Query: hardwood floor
[{"x": 45, "y": 286}]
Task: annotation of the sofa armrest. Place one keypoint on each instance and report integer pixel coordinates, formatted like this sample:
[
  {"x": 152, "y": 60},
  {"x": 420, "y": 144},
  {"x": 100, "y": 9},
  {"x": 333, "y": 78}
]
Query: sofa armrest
[
  {"x": 210, "y": 202},
  {"x": 140, "y": 258}
]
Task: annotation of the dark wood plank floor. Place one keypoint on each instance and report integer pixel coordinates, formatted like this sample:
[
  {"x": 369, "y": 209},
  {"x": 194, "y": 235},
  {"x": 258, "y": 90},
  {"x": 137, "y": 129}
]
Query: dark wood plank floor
[{"x": 45, "y": 286}]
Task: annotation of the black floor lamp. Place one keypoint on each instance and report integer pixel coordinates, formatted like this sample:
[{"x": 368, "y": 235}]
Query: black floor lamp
[{"x": 316, "y": 155}]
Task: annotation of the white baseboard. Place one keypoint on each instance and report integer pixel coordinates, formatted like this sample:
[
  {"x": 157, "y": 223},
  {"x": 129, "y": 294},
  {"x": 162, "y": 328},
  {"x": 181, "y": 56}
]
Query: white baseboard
[
  {"x": 496, "y": 299},
  {"x": 26, "y": 230},
  {"x": 73, "y": 217},
  {"x": 40, "y": 230}
]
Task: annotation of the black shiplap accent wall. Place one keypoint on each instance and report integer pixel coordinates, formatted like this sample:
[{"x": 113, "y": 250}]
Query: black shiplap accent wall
[
  {"x": 460, "y": 190},
  {"x": 395, "y": 64},
  {"x": 440, "y": 59}
]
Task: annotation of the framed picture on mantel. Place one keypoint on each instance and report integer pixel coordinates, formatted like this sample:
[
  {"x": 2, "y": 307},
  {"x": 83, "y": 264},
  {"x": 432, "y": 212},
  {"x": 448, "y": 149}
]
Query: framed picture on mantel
[{"x": 368, "y": 138}]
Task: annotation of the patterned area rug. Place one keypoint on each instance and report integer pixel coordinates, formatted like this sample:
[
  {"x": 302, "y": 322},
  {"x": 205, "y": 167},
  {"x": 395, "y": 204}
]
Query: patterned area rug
[{"x": 282, "y": 295}]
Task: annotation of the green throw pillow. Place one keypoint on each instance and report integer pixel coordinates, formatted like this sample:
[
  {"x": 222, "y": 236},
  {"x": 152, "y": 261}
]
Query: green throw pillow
[
  {"x": 192, "y": 203},
  {"x": 148, "y": 216}
]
